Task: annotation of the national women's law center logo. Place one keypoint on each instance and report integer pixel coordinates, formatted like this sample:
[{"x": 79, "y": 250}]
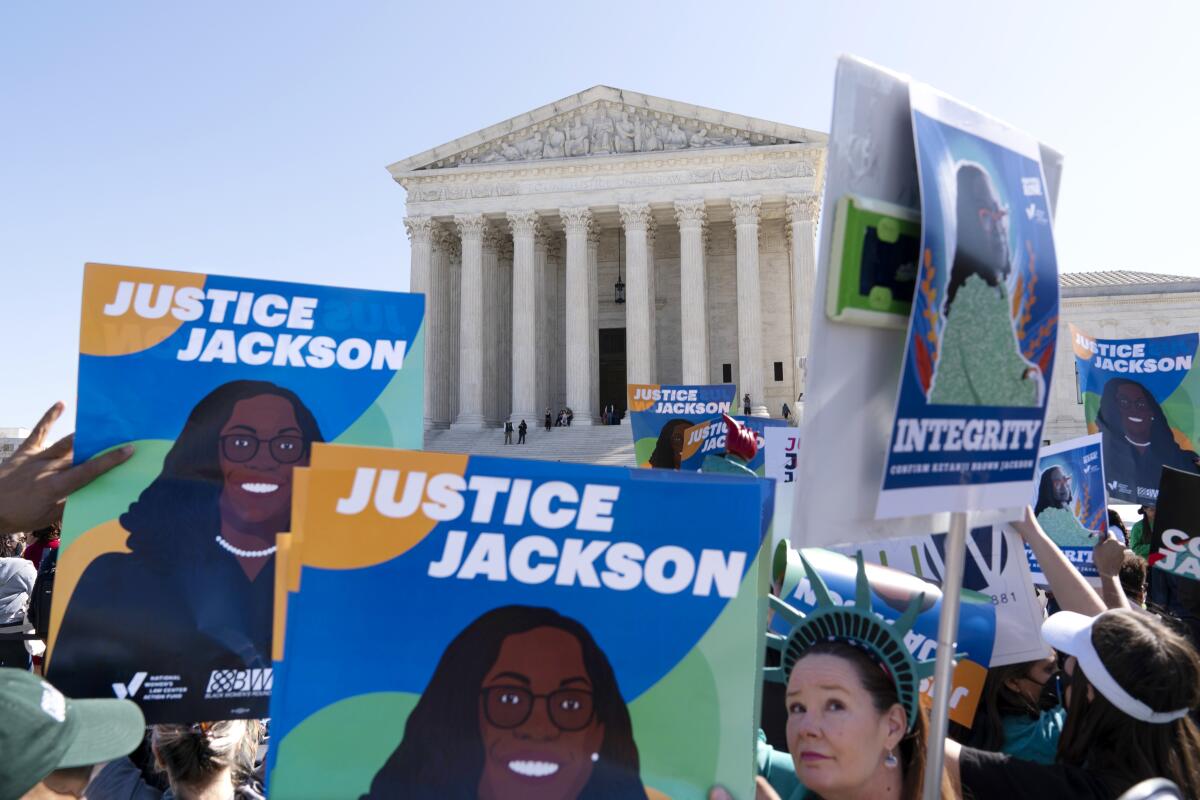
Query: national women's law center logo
[
  {"x": 146, "y": 687},
  {"x": 129, "y": 690},
  {"x": 239, "y": 683}
]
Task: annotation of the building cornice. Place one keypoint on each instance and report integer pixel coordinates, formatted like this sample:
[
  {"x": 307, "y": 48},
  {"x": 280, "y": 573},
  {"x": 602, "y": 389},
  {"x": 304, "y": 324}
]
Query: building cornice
[
  {"x": 605, "y": 100},
  {"x": 619, "y": 163},
  {"x": 787, "y": 162},
  {"x": 1184, "y": 286}
]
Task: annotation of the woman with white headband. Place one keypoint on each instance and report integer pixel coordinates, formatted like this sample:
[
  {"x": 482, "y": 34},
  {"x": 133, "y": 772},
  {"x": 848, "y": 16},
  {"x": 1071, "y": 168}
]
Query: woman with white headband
[{"x": 1130, "y": 686}]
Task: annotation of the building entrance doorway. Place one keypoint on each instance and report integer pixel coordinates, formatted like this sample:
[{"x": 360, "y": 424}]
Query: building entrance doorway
[{"x": 612, "y": 369}]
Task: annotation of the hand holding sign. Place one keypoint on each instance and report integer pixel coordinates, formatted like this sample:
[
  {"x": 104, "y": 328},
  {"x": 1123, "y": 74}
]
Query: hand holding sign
[
  {"x": 1027, "y": 526},
  {"x": 762, "y": 791},
  {"x": 1070, "y": 588},
  {"x": 1069, "y": 502},
  {"x": 1108, "y": 556},
  {"x": 35, "y": 482}
]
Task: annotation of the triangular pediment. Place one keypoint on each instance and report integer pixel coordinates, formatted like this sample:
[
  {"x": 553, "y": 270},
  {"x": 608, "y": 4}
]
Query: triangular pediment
[{"x": 604, "y": 121}]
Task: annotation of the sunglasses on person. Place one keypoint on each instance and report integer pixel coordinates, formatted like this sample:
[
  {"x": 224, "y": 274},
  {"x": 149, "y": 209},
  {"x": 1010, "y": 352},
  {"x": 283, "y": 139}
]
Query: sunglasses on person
[
  {"x": 993, "y": 215},
  {"x": 241, "y": 447},
  {"x": 511, "y": 706}
]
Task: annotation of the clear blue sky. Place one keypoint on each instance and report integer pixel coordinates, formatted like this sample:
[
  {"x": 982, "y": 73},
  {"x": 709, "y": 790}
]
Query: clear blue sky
[{"x": 251, "y": 138}]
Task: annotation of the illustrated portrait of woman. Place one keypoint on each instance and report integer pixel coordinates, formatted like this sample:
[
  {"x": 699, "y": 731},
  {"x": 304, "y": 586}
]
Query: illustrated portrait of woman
[
  {"x": 980, "y": 361},
  {"x": 1054, "y": 490},
  {"x": 1137, "y": 437},
  {"x": 982, "y": 232},
  {"x": 194, "y": 593},
  {"x": 522, "y": 705},
  {"x": 668, "y": 451}
]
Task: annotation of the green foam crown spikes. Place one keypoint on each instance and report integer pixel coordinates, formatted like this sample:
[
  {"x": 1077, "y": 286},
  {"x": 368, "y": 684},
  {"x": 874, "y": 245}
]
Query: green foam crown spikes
[{"x": 855, "y": 624}]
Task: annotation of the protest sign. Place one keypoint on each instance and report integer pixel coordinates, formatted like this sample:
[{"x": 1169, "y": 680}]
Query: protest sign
[
  {"x": 853, "y": 370},
  {"x": 891, "y": 592},
  {"x": 444, "y": 595},
  {"x": 1141, "y": 394},
  {"x": 994, "y": 568},
  {"x": 981, "y": 337},
  {"x": 165, "y": 584},
  {"x": 783, "y": 449},
  {"x": 1068, "y": 501},
  {"x": 658, "y": 416},
  {"x": 708, "y": 438},
  {"x": 1176, "y": 544}
]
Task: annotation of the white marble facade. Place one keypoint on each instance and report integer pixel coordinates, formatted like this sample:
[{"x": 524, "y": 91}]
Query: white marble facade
[{"x": 515, "y": 232}]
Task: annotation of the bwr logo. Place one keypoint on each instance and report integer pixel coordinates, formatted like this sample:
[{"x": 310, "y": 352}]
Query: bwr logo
[{"x": 233, "y": 682}]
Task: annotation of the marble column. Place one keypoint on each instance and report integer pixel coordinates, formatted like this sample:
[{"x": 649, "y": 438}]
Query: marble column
[
  {"x": 593, "y": 287},
  {"x": 542, "y": 296},
  {"x": 439, "y": 360},
  {"x": 578, "y": 306},
  {"x": 705, "y": 236},
  {"x": 749, "y": 303},
  {"x": 420, "y": 236},
  {"x": 652, "y": 300},
  {"x": 493, "y": 326},
  {"x": 470, "y": 323},
  {"x": 525, "y": 314},
  {"x": 454, "y": 276},
  {"x": 639, "y": 312},
  {"x": 504, "y": 367},
  {"x": 557, "y": 325},
  {"x": 693, "y": 311},
  {"x": 802, "y": 212}
]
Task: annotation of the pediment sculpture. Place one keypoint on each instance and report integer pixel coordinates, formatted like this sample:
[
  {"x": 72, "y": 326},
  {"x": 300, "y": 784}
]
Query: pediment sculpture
[{"x": 605, "y": 130}]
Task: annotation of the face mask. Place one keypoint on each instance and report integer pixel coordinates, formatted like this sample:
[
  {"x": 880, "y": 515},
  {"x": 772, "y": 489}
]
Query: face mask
[{"x": 1050, "y": 696}]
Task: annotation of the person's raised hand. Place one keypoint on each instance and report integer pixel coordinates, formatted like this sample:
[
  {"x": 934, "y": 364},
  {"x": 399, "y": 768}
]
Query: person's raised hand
[
  {"x": 1108, "y": 555},
  {"x": 762, "y": 791},
  {"x": 1028, "y": 525},
  {"x": 35, "y": 482}
]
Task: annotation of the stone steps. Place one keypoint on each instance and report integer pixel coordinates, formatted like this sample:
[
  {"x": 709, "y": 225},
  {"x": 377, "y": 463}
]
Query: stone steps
[{"x": 596, "y": 444}]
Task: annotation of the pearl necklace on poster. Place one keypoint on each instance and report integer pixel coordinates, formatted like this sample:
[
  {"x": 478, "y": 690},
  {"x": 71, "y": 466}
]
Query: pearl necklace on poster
[{"x": 237, "y": 551}]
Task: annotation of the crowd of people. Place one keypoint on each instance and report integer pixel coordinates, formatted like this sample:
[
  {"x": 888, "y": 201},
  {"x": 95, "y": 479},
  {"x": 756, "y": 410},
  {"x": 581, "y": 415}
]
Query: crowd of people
[
  {"x": 1113, "y": 706},
  {"x": 609, "y": 416},
  {"x": 564, "y": 419}
]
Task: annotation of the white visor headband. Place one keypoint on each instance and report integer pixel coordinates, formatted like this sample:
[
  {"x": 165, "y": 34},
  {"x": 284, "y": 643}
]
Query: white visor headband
[{"x": 1071, "y": 633}]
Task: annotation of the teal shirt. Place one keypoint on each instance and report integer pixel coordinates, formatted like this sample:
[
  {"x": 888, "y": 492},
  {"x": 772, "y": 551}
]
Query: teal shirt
[
  {"x": 779, "y": 770},
  {"x": 1027, "y": 739},
  {"x": 1034, "y": 739}
]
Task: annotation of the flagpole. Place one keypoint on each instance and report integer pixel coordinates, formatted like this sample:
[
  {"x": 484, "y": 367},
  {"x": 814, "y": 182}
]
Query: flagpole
[{"x": 956, "y": 545}]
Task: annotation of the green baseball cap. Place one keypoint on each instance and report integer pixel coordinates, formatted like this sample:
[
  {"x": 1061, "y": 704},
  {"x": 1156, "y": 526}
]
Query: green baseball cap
[{"x": 41, "y": 731}]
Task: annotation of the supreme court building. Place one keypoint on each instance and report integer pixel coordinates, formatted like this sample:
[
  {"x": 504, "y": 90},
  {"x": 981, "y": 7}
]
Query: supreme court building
[{"x": 528, "y": 235}]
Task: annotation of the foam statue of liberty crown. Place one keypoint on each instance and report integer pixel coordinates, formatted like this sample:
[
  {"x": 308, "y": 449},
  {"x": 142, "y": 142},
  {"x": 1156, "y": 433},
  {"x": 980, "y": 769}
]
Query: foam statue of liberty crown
[
  {"x": 741, "y": 445},
  {"x": 857, "y": 625}
]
